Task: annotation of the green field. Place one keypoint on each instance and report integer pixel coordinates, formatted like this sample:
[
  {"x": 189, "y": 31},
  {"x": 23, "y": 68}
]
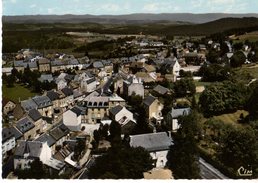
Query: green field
[
  {"x": 17, "y": 92},
  {"x": 231, "y": 118},
  {"x": 252, "y": 70}
]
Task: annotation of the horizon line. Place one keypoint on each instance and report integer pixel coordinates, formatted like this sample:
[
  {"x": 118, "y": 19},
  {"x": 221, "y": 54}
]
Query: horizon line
[{"x": 129, "y": 14}]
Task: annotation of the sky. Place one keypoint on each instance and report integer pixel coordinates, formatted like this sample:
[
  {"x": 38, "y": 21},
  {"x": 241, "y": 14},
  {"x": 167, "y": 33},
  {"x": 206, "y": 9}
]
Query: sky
[{"x": 118, "y": 7}]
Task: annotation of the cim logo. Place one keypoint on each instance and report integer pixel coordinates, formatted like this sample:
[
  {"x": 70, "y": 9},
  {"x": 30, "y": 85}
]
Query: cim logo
[{"x": 244, "y": 172}]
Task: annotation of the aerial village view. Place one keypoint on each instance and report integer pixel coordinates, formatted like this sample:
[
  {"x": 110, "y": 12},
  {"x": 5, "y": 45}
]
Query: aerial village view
[{"x": 129, "y": 89}]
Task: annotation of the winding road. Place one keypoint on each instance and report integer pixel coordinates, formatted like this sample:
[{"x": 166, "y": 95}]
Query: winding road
[{"x": 207, "y": 171}]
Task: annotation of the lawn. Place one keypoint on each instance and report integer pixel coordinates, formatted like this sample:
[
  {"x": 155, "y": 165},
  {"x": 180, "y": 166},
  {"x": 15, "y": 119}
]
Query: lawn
[
  {"x": 231, "y": 118},
  {"x": 201, "y": 83},
  {"x": 17, "y": 92},
  {"x": 253, "y": 70}
]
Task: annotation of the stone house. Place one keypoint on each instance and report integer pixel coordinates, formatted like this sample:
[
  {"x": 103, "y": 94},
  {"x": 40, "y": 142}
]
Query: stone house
[
  {"x": 44, "y": 65},
  {"x": 60, "y": 134},
  {"x": 133, "y": 86},
  {"x": 40, "y": 124},
  {"x": 27, "y": 128},
  {"x": 61, "y": 83},
  {"x": 44, "y": 105},
  {"x": 7, "y": 105},
  {"x": 153, "y": 108}
]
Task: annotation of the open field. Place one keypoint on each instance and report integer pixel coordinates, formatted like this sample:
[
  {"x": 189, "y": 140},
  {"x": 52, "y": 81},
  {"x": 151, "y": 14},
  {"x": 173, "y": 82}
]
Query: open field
[
  {"x": 232, "y": 118},
  {"x": 17, "y": 92},
  {"x": 252, "y": 70},
  {"x": 251, "y": 36}
]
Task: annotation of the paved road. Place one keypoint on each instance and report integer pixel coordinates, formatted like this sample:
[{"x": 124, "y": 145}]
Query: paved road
[{"x": 209, "y": 172}]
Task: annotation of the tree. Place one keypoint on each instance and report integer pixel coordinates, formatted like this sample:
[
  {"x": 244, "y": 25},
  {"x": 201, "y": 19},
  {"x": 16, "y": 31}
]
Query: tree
[
  {"x": 36, "y": 171},
  {"x": 221, "y": 98},
  {"x": 10, "y": 79},
  {"x": 79, "y": 148},
  {"x": 183, "y": 154},
  {"x": 252, "y": 103},
  {"x": 184, "y": 87},
  {"x": 213, "y": 56},
  {"x": 115, "y": 133},
  {"x": 122, "y": 163},
  {"x": 238, "y": 59},
  {"x": 239, "y": 148},
  {"x": 214, "y": 72}
]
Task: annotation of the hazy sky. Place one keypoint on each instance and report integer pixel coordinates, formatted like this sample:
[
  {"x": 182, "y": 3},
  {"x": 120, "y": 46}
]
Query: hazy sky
[{"x": 117, "y": 7}]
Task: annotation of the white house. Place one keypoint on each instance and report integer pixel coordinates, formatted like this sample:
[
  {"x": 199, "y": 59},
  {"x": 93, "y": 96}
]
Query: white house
[
  {"x": 72, "y": 119},
  {"x": 172, "y": 117},
  {"x": 124, "y": 117},
  {"x": 61, "y": 83},
  {"x": 157, "y": 144},
  {"x": 88, "y": 85},
  {"x": 133, "y": 86},
  {"x": 8, "y": 140},
  {"x": 28, "y": 151}
]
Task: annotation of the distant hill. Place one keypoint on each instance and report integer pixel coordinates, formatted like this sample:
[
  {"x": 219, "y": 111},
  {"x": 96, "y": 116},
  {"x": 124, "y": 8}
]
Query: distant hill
[
  {"x": 216, "y": 26},
  {"x": 124, "y": 19}
]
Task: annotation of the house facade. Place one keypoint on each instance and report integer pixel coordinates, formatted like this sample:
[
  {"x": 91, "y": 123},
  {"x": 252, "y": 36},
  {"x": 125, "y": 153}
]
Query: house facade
[
  {"x": 153, "y": 108},
  {"x": 28, "y": 151},
  {"x": 8, "y": 106},
  {"x": 171, "y": 120},
  {"x": 157, "y": 144},
  {"x": 73, "y": 118}
]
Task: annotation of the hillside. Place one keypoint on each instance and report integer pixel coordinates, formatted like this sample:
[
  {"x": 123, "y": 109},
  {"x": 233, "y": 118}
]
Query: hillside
[
  {"x": 138, "y": 18},
  {"x": 38, "y": 36}
]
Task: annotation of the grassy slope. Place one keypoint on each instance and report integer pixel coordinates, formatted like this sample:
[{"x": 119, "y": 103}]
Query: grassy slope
[
  {"x": 17, "y": 92},
  {"x": 231, "y": 118}
]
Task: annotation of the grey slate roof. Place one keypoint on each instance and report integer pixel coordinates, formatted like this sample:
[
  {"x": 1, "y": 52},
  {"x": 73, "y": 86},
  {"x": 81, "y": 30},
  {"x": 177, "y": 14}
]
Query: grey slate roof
[
  {"x": 151, "y": 141},
  {"x": 91, "y": 80},
  {"x": 106, "y": 62},
  {"x": 34, "y": 114},
  {"x": 24, "y": 125},
  {"x": 57, "y": 63},
  {"x": 43, "y": 61},
  {"x": 17, "y": 133},
  {"x": 6, "y": 134},
  {"x": 31, "y": 65},
  {"x": 67, "y": 91},
  {"x": 46, "y": 138},
  {"x": 52, "y": 95},
  {"x": 42, "y": 101},
  {"x": 116, "y": 109},
  {"x": 76, "y": 110},
  {"x": 59, "y": 132},
  {"x": 73, "y": 62},
  {"x": 33, "y": 148},
  {"x": 149, "y": 100},
  {"x": 18, "y": 63},
  {"x": 46, "y": 77},
  {"x": 160, "y": 89},
  {"x": 98, "y": 64},
  {"x": 69, "y": 77},
  {"x": 77, "y": 93},
  {"x": 28, "y": 104},
  {"x": 175, "y": 113}
]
